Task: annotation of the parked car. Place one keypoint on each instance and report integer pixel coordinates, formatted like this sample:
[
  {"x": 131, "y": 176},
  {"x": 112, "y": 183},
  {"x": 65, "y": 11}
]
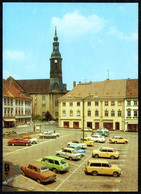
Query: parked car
[
  {"x": 78, "y": 149},
  {"x": 48, "y": 135},
  {"x": 69, "y": 153},
  {"x": 88, "y": 141},
  {"x": 102, "y": 133},
  {"x": 87, "y": 130},
  {"x": 103, "y": 129},
  {"x": 118, "y": 139},
  {"x": 99, "y": 166},
  {"x": 19, "y": 141},
  {"x": 97, "y": 138},
  {"x": 39, "y": 172},
  {"x": 33, "y": 140},
  {"x": 105, "y": 152},
  {"x": 54, "y": 163},
  {"x": 78, "y": 143},
  {"x": 7, "y": 133}
]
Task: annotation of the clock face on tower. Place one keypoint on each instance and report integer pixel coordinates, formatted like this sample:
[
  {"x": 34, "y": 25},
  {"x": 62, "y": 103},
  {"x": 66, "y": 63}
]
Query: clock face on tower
[{"x": 55, "y": 61}]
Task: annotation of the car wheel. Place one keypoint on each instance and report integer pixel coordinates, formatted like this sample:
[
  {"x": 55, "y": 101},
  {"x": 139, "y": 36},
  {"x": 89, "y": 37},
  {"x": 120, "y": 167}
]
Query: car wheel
[
  {"x": 54, "y": 170},
  {"x": 94, "y": 173},
  {"x": 13, "y": 144},
  {"x": 26, "y": 144},
  {"x": 125, "y": 142},
  {"x": 115, "y": 174},
  {"x": 96, "y": 155},
  {"x": 34, "y": 142},
  {"x": 112, "y": 157},
  {"x": 115, "y": 142},
  {"x": 70, "y": 158},
  {"x": 39, "y": 181},
  {"x": 58, "y": 155}
]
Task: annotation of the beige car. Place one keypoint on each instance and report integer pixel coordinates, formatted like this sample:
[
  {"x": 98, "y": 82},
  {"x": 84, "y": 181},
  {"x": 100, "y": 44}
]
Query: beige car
[
  {"x": 99, "y": 166},
  {"x": 105, "y": 152},
  {"x": 118, "y": 139}
]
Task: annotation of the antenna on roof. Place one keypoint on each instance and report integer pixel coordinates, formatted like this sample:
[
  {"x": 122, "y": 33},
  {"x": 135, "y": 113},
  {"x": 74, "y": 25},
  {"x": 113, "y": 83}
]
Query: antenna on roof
[{"x": 108, "y": 75}]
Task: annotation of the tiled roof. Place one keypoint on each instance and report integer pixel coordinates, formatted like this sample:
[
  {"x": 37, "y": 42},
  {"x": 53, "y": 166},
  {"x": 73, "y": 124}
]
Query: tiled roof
[
  {"x": 11, "y": 89},
  {"x": 35, "y": 86},
  {"x": 132, "y": 88},
  {"x": 103, "y": 89}
]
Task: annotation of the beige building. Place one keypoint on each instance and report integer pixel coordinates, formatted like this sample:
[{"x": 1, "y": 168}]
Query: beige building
[{"x": 94, "y": 104}]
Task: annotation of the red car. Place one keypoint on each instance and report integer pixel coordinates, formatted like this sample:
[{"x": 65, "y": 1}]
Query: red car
[{"x": 19, "y": 141}]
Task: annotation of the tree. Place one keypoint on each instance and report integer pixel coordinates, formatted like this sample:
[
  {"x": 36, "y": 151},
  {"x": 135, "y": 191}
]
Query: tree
[{"x": 48, "y": 116}]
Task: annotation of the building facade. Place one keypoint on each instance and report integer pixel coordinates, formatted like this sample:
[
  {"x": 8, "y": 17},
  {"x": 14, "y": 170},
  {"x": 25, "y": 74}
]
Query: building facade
[
  {"x": 17, "y": 105},
  {"x": 94, "y": 105}
]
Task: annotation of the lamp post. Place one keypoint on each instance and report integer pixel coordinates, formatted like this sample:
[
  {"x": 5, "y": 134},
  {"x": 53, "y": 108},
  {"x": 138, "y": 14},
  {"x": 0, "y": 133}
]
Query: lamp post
[{"x": 83, "y": 100}]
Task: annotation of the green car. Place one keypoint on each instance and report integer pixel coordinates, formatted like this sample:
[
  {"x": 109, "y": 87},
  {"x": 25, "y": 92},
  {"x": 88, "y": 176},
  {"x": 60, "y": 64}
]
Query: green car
[{"x": 54, "y": 163}]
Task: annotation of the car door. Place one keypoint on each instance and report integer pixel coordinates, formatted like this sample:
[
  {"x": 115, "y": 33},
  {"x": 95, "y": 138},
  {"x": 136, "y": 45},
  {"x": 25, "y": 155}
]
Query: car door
[
  {"x": 34, "y": 172},
  {"x": 64, "y": 153},
  {"x": 105, "y": 169},
  {"x": 50, "y": 163},
  {"x": 104, "y": 153},
  {"x": 29, "y": 171}
]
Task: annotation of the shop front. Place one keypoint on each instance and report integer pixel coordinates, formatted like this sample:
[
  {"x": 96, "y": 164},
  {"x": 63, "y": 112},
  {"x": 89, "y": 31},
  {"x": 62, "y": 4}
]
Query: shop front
[
  {"x": 9, "y": 123},
  {"x": 133, "y": 126}
]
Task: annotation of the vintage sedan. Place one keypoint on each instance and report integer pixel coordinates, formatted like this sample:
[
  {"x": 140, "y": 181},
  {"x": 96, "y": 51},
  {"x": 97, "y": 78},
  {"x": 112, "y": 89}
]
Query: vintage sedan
[
  {"x": 103, "y": 129},
  {"x": 105, "y": 152},
  {"x": 101, "y": 166},
  {"x": 102, "y": 133},
  {"x": 39, "y": 172},
  {"x": 118, "y": 139},
  {"x": 78, "y": 143},
  {"x": 69, "y": 153},
  {"x": 33, "y": 140},
  {"x": 97, "y": 138},
  {"x": 19, "y": 141},
  {"x": 78, "y": 149},
  {"x": 48, "y": 135},
  {"x": 88, "y": 141}
]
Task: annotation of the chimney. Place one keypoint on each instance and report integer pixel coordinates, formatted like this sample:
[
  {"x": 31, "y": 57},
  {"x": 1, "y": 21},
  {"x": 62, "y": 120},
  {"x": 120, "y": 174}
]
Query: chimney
[{"x": 74, "y": 84}]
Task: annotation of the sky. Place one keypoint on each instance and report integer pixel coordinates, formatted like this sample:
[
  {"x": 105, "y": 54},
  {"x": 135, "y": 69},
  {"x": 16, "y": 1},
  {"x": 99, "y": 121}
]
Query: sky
[{"x": 97, "y": 41}]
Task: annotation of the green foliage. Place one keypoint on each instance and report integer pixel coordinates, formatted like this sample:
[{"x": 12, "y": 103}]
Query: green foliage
[{"x": 48, "y": 116}]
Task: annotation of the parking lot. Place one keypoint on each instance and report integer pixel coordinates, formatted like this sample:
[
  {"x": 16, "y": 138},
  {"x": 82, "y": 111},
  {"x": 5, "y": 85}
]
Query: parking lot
[{"x": 75, "y": 179}]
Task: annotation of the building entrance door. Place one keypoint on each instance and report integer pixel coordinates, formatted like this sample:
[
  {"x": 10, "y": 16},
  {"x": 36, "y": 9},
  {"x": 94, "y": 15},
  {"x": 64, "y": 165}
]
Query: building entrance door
[
  {"x": 117, "y": 126},
  {"x": 97, "y": 125},
  {"x": 89, "y": 125}
]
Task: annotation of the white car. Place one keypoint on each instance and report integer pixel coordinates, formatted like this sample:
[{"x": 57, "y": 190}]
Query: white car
[
  {"x": 48, "y": 135},
  {"x": 103, "y": 130},
  {"x": 69, "y": 153},
  {"x": 98, "y": 138},
  {"x": 32, "y": 139},
  {"x": 78, "y": 143}
]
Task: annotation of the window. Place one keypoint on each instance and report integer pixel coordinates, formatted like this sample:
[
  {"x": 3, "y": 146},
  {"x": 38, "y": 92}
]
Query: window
[
  {"x": 56, "y": 162},
  {"x": 112, "y": 103},
  {"x": 135, "y": 113},
  {"x": 78, "y": 113},
  {"x": 71, "y": 103},
  {"x": 135, "y": 103},
  {"x": 129, "y": 103},
  {"x": 89, "y": 113},
  {"x": 78, "y": 103},
  {"x": 43, "y": 101},
  {"x": 8, "y": 101},
  {"x": 105, "y": 165},
  {"x": 56, "y": 102},
  {"x": 96, "y": 113},
  {"x": 106, "y": 103},
  {"x": 11, "y": 102},
  {"x": 50, "y": 161},
  {"x": 112, "y": 113},
  {"x": 119, "y": 113},
  {"x": 64, "y": 113},
  {"x": 29, "y": 166},
  {"x": 22, "y": 103},
  {"x": 4, "y": 101},
  {"x": 96, "y": 164},
  {"x": 106, "y": 113},
  {"x": 64, "y": 103},
  {"x": 16, "y": 102},
  {"x": 89, "y": 103},
  {"x": 119, "y": 103},
  {"x": 96, "y": 103},
  {"x": 71, "y": 113},
  {"x": 129, "y": 113},
  {"x": 34, "y": 168}
]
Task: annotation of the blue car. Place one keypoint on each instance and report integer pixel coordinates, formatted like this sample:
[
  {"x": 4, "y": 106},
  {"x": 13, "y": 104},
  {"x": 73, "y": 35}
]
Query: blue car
[
  {"x": 78, "y": 149},
  {"x": 102, "y": 133}
]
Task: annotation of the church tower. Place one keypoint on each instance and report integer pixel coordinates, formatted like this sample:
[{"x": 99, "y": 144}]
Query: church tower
[{"x": 56, "y": 67}]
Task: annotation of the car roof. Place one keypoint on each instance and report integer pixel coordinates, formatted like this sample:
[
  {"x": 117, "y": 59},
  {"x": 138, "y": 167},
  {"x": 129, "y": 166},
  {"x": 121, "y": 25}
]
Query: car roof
[
  {"x": 54, "y": 158},
  {"x": 116, "y": 136},
  {"x": 98, "y": 161},
  {"x": 69, "y": 148},
  {"x": 107, "y": 148},
  {"x": 36, "y": 164}
]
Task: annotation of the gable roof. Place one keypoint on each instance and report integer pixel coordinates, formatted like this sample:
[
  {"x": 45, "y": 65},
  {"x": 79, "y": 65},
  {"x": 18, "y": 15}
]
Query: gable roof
[
  {"x": 132, "y": 88},
  {"x": 35, "y": 86},
  {"x": 103, "y": 89}
]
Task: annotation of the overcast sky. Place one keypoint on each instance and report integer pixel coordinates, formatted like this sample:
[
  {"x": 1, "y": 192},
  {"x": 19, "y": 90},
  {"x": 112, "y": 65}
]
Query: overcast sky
[{"x": 94, "y": 38}]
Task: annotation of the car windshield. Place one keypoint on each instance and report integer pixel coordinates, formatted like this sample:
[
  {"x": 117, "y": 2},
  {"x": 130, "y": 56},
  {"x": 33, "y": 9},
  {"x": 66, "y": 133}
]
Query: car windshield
[
  {"x": 63, "y": 161},
  {"x": 74, "y": 152},
  {"x": 78, "y": 148},
  {"x": 44, "y": 169}
]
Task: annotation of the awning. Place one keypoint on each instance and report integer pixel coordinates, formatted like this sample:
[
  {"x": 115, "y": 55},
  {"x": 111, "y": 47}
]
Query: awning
[
  {"x": 10, "y": 120},
  {"x": 133, "y": 122}
]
